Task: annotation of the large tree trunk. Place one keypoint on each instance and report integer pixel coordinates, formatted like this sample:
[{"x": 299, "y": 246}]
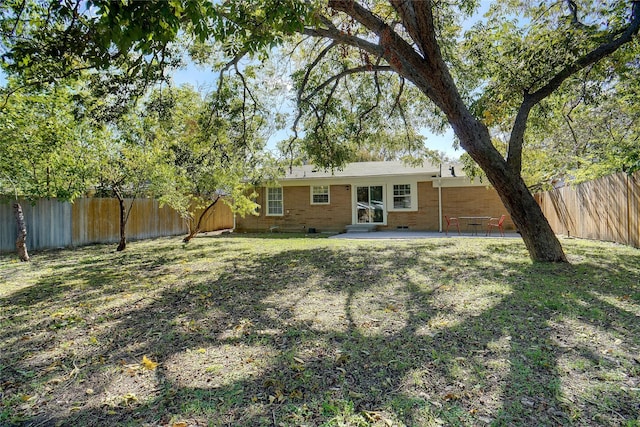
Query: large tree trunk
[
  {"x": 21, "y": 240},
  {"x": 526, "y": 214},
  {"x": 123, "y": 224}
]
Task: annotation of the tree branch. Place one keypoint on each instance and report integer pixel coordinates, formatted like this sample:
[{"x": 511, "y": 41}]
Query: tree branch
[
  {"x": 592, "y": 57},
  {"x": 233, "y": 63},
  {"x": 427, "y": 71},
  {"x": 325, "y": 107},
  {"x": 206, "y": 211},
  {"x": 343, "y": 38},
  {"x": 514, "y": 157},
  {"x": 417, "y": 18},
  {"x": 18, "y": 17},
  {"x": 347, "y": 72},
  {"x": 568, "y": 120},
  {"x": 373, "y": 107},
  {"x": 311, "y": 66},
  {"x": 573, "y": 7},
  {"x": 396, "y": 103}
]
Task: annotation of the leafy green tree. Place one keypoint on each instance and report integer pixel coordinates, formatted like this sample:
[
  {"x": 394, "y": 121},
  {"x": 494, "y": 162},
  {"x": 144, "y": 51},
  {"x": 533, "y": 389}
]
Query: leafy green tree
[
  {"x": 582, "y": 138},
  {"x": 216, "y": 152},
  {"x": 582, "y": 132},
  {"x": 43, "y": 150},
  {"x": 129, "y": 43},
  {"x": 585, "y": 127},
  {"x": 352, "y": 109},
  {"x": 134, "y": 163},
  {"x": 508, "y": 69},
  {"x": 42, "y": 145}
]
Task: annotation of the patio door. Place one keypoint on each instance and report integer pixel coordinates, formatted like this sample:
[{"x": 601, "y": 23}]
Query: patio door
[{"x": 369, "y": 204}]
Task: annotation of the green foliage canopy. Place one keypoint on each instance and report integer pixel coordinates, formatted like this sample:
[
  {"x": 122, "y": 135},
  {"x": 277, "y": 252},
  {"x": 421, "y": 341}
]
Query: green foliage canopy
[{"x": 45, "y": 150}]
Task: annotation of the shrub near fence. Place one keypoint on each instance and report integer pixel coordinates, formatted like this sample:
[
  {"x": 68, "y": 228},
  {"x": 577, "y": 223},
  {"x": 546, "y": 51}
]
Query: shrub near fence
[
  {"x": 607, "y": 208},
  {"x": 53, "y": 224}
]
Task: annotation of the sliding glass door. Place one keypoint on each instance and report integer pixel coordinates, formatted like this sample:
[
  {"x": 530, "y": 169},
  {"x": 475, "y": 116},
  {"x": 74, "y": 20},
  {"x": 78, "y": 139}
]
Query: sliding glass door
[{"x": 369, "y": 204}]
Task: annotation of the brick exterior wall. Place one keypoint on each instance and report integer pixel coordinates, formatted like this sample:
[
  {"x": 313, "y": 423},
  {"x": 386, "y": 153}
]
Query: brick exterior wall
[
  {"x": 300, "y": 214},
  {"x": 424, "y": 219}
]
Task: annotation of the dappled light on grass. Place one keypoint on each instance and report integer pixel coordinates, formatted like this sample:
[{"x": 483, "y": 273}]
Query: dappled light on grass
[
  {"x": 312, "y": 303},
  {"x": 450, "y": 386},
  {"x": 213, "y": 367},
  {"x": 597, "y": 365},
  {"x": 462, "y": 300},
  {"x": 128, "y": 385},
  {"x": 380, "y": 310},
  {"x": 621, "y": 302},
  {"x": 292, "y": 331},
  {"x": 437, "y": 323}
]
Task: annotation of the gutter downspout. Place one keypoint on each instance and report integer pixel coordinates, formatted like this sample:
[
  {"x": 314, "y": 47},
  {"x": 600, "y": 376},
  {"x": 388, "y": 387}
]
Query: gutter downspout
[{"x": 440, "y": 199}]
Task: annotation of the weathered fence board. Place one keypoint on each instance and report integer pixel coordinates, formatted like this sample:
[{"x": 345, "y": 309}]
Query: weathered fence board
[
  {"x": 52, "y": 224},
  {"x": 48, "y": 224},
  {"x": 95, "y": 221},
  {"x": 603, "y": 209},
  {"x": 633, "y": 200}
]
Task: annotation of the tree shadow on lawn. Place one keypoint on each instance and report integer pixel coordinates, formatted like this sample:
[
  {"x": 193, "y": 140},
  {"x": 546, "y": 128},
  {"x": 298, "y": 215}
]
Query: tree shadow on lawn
[{"x": 410, "y": 333}]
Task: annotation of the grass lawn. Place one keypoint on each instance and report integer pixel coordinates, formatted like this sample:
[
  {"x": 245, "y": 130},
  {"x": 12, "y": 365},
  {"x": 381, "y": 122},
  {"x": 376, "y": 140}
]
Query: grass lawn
[{"x": 287, "y": 331}]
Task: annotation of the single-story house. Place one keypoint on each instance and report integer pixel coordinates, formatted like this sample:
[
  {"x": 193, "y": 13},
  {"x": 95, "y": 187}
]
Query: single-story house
[{"x": 388, "y": 195}]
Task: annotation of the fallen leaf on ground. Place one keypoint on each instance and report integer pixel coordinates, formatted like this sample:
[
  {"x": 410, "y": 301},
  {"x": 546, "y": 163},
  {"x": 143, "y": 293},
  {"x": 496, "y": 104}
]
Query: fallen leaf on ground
[
  {"x": 451, "y": 396},
  {"x": 148, "y": 363},
  {"x": 129, "y": 398},
  {"x": 372, "y": 416}
]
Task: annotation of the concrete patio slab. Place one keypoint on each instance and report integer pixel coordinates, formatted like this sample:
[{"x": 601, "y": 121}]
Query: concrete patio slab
[{"x": 421, "y": 235}]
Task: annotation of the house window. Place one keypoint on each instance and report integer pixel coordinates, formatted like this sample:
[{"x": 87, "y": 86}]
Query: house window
[
  {"x": 274, "y": 201},
  {"x": 402, "y": 196},
  {"x": 319, "y": 194}
]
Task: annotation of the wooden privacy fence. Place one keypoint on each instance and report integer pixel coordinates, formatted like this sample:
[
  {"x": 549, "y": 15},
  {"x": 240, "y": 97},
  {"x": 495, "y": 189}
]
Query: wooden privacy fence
[
  {"x": 53, "y": 224},
  {"x": 603, "y": 209}
]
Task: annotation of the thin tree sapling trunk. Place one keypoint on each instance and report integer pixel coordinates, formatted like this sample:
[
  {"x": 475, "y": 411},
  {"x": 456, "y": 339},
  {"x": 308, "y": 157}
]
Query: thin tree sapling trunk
[
  {"x": 122, "y": 245},
  {"x": 21, "y": 240},
  {"x": 194, "y": 230}
]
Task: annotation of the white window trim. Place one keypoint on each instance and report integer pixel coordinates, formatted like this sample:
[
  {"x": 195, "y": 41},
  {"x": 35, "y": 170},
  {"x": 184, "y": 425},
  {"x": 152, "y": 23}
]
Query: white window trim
[
  {"x": 413, "y": 185},
  {"x": 267, "y": 211},
  {"x": 311, "y": 194}
]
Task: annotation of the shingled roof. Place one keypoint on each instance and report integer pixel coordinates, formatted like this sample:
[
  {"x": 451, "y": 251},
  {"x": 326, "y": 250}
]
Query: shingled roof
[{"x": 369, "y": 169}]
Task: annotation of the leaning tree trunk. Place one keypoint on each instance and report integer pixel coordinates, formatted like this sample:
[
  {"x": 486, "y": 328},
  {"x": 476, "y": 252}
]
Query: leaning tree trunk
[
  {"x": 123, "y": 224},
  {"x": 526, "y": 214},
  {"x": 195, "y": 229},
  {"x": 21, "y": 240}
]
